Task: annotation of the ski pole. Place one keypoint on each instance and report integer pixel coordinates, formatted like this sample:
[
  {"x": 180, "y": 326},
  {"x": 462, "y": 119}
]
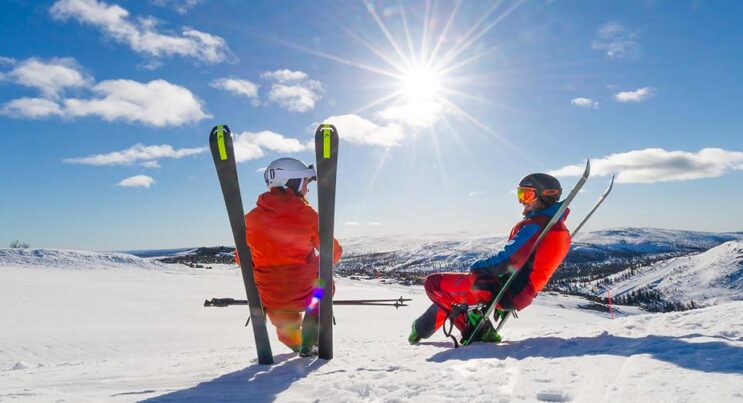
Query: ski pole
[{"x": 222, "y": 302}]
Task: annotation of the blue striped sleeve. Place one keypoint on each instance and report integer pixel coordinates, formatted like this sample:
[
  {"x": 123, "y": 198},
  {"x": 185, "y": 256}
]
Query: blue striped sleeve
[{"x": 500, "y": 263}]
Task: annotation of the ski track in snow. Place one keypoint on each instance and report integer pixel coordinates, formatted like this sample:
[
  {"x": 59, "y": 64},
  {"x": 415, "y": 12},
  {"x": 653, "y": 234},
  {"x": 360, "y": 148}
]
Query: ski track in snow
[{"x": 85, "y": 334}]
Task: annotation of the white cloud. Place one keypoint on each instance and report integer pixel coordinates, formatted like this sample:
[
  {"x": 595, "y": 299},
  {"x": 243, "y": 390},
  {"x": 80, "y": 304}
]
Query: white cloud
[
  {"x": 293, "y": 90},
  {"x": 352, "y": 223},
  {"x": 138, "y": 153},
  {"x": 180, "y": 6},
  {"x": 275, "y": 142},
  {"x": 253, "y": 145},
  {"x": 285, "y": 76},
  {"x": 658, "y": 165},
  {"x": 614, "y": 39},
  {"x": 49, "y": 77},
  {"x": 6, "y": 60},
  {"x": 638, "y": 95},
  {"x": 150, "y": 164},
  {"x": 238, "y": 87},
  {"x": 293, "y": 98},
  {"x": 355, "y": 129},
  {"x": 417, "y": 113},
  {"x": 157, "y": 103},
  {"x": 585, "y": 103},
  {"x": 476, "y": 193},
  {"x": 142, "y": 34},
  {"x": 142, "y": 181},
  {"x": 31, "y": 108}
]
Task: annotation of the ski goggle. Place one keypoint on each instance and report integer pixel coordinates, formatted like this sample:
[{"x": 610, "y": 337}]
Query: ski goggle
[{"x": 526, "y": 195}]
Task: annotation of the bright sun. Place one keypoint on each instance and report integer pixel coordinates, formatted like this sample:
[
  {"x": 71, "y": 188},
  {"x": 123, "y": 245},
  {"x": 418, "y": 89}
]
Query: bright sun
[{"x": 420, "y": 85}]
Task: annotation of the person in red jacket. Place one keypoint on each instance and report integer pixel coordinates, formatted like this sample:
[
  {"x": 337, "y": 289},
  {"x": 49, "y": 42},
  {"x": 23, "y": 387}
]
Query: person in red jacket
[
  {"x": 282, "y": 233},
  {"x": 452, "y": 293}
]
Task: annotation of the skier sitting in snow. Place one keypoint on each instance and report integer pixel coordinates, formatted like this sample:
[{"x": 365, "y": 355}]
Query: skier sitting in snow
[
  {"x": 282, "y": 233},
  {"x": 452, "y": 293}
]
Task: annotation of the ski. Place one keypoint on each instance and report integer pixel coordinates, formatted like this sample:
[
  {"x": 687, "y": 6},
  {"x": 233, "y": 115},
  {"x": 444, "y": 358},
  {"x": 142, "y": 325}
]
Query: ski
[
  {"x": 491, "y": 307},
  {"x": 326, "y": 153},
  {"x": 595, "y": 206},
  {"x": 223, "y": 153}
]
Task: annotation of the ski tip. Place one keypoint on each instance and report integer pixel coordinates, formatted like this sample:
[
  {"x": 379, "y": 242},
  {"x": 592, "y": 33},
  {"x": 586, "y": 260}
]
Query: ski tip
[
  {"x": 326, "y": 129},
  {"x": 215, "y": 130}
]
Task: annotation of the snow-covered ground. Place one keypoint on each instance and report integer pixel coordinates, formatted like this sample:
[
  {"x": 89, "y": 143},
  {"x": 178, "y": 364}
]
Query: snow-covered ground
[{"x": 85, "y": 334}]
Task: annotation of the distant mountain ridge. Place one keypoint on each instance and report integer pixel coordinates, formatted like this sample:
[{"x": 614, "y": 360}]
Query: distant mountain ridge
[{"x": 75, "y": 259}]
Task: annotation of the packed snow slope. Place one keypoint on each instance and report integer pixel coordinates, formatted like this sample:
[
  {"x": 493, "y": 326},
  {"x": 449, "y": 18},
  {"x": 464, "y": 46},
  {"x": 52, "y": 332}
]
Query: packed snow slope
[
  {"x": 707, "y": 278},
  {"x": 85, "y": 334}
]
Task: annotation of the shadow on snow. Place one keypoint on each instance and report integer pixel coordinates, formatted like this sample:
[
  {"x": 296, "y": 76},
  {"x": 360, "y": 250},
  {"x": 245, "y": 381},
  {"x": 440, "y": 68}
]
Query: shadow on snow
[
  {"x": 256, "y": 383},
  {"x": 707, "y": 356}
]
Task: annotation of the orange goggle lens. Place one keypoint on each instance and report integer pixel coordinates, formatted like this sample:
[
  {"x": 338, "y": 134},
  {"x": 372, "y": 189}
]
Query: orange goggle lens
[{"x": 526, "y": 195}]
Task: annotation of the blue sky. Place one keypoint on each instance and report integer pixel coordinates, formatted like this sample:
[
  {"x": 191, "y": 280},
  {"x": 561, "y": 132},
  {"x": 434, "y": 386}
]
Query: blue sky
[{"x": 105, "y": 110}]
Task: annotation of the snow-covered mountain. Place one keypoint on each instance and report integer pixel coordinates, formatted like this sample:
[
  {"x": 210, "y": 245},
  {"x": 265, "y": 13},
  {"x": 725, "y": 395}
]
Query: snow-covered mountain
[
  {"x": 60, "y": 258},
  {"x": 143, "y": 335},
  {"x": 655, "y": 240},
  {"x": 634, "y": 240},
  {"x": 596, "y": 253},
  {"x": 706, "y": 278}
]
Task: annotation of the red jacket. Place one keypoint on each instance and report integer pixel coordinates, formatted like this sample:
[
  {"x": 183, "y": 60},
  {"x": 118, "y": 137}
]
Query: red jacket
[
  {"x": 532, "y": 275},
  {"x": 282, "y": 233}
]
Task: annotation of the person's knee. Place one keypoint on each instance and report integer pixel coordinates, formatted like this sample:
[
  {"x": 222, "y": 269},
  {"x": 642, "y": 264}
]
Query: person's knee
[
  {"x": 293, "y": 339},
  {"x": 290, "y": 335},
  {"x": 432, "y": 282}
]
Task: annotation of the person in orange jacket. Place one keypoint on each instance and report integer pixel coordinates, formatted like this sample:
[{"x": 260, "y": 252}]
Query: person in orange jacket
[{"x": 282, "y": 233}]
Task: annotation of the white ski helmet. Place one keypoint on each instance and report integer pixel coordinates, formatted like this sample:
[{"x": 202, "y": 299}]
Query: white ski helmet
[{"x": 283, "y": 170}]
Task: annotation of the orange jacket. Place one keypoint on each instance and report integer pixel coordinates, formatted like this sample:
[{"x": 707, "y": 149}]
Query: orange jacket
[{"x": 282, "y": 233}]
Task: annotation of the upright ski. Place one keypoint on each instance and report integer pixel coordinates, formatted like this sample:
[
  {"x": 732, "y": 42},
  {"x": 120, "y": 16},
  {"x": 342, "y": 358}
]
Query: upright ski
[
  {"x": 326, "y": 152},
  {"x": 552, "y": 222},
  {"x": 220, "y": 142},
  {"x": 595, "y": 206}
]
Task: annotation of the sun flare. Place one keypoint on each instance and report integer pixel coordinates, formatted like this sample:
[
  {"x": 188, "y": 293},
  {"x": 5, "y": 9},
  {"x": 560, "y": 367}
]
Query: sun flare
[{"x": 421, "y": 84}]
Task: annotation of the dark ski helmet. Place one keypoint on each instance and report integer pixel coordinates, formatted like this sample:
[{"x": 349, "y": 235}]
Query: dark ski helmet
[{"x": 539, "y": 186}]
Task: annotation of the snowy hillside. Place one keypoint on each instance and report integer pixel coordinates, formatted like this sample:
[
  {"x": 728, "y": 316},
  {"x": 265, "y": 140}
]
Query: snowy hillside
[
  {"x": 593, "y": 255},
  {"x": 57, "y": 258},
  {"x": 652, "y": 239},
  {"x": 635, "y": 240},
  {"x": 130, "y": 335},
  {"x": 707, "y": 278}
]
